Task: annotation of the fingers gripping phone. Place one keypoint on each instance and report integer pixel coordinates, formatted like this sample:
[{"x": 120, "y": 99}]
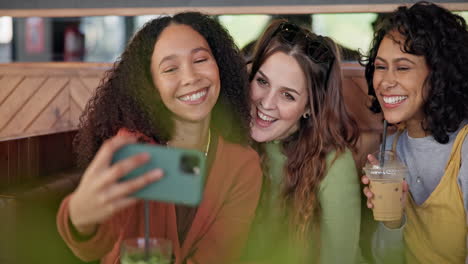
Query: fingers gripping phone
[{"x": 184, "y": 173}]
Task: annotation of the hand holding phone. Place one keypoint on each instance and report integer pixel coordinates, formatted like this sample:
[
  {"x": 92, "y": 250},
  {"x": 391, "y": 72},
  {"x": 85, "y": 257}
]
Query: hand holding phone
[{"x": 99, "y": 194}]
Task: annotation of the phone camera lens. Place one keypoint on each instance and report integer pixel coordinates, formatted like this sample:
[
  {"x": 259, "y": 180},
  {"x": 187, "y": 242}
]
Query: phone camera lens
[{"x": 190, "y": 164}]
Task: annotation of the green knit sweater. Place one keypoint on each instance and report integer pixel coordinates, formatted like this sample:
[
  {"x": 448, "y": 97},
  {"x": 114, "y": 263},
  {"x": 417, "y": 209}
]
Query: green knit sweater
[{"x": 340, "y": 204}]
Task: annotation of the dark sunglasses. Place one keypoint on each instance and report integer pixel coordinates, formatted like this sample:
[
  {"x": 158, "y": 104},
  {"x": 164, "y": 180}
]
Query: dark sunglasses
[{"x": 316, "y": 48}]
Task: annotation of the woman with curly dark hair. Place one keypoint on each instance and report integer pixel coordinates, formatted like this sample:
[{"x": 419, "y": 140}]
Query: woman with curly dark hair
[
  {"x": 418, "y": 77},
  {"x": 181, "y": 82},
  {"x": 306, "y": 137}
]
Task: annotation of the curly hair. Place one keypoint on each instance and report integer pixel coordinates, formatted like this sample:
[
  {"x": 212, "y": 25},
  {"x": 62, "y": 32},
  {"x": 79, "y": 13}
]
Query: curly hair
[
  {"x": 329, "y": 127},
  {"x": 127, "y": 97},
  {"x": 442, "y": 38}
]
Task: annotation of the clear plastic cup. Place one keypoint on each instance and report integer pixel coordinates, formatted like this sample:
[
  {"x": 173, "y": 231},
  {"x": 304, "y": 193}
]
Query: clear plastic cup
[
  {"x": 132, "y": 251},
  {"x": 386, "y": 185}
]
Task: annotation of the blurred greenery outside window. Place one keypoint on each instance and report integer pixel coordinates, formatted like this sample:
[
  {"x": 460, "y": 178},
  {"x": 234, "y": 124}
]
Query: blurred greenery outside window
[
  {"x": 343, "y": 28},
  {"x": 244, "y": 28},
  {"x": 6, "y": 35},
  {"x": 141, "y": 20},
  {"x": 104, "y": 38},
  {"x": 464, "y": 14}
]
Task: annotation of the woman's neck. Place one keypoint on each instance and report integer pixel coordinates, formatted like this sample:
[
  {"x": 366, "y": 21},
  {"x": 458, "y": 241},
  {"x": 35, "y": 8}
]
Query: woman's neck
[
  {"x": 415, "y": 129},
  {"x": 191, "y": 135}
]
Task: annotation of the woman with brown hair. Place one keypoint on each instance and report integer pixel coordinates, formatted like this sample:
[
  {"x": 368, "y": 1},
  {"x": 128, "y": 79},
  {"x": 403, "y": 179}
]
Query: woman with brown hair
[{"x": 305, "y": 138}]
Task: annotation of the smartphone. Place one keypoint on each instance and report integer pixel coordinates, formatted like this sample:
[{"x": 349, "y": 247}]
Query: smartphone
[{"x": 184, "y": 173}]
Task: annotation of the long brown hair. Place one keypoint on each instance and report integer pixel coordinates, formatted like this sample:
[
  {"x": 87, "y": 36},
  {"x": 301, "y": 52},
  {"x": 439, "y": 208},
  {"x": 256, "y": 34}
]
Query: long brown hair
[{"x": 329, "y": 128}]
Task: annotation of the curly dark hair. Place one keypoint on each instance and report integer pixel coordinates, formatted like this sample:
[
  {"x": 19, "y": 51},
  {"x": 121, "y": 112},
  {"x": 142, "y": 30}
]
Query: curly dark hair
[
  {"x": 328, "y": 128},
  {"x": 127, "y": 97},
  {"x": 442, "y": 38}
]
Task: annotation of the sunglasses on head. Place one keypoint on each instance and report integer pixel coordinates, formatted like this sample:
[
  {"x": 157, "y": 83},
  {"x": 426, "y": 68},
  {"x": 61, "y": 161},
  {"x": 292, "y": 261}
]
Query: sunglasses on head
[{"x": 317, "y": 48}]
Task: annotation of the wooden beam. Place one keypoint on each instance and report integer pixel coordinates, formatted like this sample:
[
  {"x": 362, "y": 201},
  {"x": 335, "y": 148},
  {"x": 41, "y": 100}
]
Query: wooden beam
[{"x": 216, "y": 10}]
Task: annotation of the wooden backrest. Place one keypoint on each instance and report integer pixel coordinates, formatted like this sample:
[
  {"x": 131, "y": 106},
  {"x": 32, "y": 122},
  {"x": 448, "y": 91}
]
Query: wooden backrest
[
  {"x": 40, "y": 106},
  {"x": 44, "y": 98}
]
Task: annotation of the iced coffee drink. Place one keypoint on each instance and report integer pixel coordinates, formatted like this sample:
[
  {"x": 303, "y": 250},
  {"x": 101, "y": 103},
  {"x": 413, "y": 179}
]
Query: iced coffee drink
[{"x": 386, "y": 180}]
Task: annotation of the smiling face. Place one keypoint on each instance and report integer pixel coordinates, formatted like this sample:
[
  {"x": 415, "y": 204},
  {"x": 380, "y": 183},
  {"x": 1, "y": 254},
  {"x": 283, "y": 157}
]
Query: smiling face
[
  {"x": 399, "y": 80},
  {"x": 279, "y": 98},
  {"x": 185, "y": 73}
]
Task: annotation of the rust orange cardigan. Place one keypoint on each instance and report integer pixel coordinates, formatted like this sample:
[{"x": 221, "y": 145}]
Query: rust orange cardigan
[{"x": 218, "y": 231}]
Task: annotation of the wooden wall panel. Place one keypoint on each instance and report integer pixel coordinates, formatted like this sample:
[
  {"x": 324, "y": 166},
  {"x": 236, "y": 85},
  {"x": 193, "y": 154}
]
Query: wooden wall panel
[
  {"x": 75, "y": 113},
  {"x": 90, "y": 83},
  {"x": 8, "y": 84},
  {"x": 357, "y": 100},
  {"x": 20, "y": 96},
  {"x": 45, "y": 98},
  {"x": 79, "y": 92},
  {"x": 32, "y": 109},
  {"x": 55, "y": 114}
]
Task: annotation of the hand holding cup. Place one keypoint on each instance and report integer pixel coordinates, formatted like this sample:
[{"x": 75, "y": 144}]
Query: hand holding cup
[{"x": 387, "y": 190}]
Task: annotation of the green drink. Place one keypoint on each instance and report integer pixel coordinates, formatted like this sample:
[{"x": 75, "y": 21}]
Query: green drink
[{"x": 133, "y": 251}]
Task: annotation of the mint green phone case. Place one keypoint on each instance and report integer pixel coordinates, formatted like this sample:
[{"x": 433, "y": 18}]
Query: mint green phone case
[{"x": 184, "y": 173}]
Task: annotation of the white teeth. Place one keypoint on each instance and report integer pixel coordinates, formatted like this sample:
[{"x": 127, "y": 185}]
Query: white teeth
[
  {"x": 193, "y": 97},
  {"x": 264, "y": 117},
  {"x": 394, "y": 99}
]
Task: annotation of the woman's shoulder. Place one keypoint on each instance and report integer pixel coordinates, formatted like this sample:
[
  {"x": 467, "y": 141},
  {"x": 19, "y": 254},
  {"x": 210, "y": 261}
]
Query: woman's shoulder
[
  {"x": 340, "y": 168},
  {"x": 335, "y": 159}
]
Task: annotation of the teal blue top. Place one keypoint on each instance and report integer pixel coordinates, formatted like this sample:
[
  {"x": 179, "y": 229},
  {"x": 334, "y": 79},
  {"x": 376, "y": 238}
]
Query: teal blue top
[{"x": 340, "y": 204}]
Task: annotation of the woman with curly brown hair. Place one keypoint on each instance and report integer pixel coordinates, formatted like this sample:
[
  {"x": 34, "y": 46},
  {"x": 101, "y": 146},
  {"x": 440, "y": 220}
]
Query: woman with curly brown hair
[
  {"x": 418, "y": 77},
  {"x": 305, "y": 136},
  {"x": 181, "y": 82}
]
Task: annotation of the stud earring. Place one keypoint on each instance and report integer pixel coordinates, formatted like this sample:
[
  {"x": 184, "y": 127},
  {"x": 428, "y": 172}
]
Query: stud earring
[{"x": 305, "y": 115}]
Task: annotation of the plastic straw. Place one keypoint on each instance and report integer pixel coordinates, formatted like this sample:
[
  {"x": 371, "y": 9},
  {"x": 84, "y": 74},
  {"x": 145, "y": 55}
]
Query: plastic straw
[
  {"x": 382, "y": 146},
  {"x": 147, "y": 230}
]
